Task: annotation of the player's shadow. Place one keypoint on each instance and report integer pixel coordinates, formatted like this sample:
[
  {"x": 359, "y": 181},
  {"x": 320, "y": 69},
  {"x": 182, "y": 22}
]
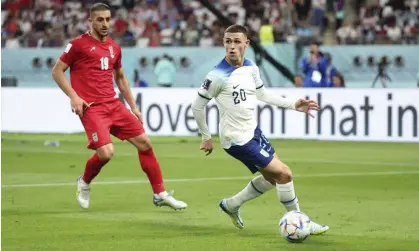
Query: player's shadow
[{"x": 174, "y": 228}]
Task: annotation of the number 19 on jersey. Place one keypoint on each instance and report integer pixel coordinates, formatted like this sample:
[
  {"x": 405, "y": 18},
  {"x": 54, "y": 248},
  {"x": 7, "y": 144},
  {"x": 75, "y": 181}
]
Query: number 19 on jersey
[{"x": 104, "y": 63}]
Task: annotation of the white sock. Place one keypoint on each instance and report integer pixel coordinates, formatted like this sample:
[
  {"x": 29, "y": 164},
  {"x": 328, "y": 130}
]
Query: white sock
[
  {"x": 286, "y": 195},
  {"x": 83, "y": 183},
  {"x": 162, "y": 194},
  {"x": 256, "y": 187}
]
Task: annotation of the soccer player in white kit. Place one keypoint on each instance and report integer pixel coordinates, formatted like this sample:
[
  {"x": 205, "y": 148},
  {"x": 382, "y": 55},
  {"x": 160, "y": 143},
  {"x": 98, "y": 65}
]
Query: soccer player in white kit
[{"x": 235, "y": 84}]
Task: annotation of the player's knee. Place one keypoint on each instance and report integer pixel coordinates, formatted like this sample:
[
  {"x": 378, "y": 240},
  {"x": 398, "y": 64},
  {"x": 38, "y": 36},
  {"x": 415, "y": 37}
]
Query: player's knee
[
  {"x": 284, "y": 174},
  {"x": 142, "y": 142},
  {"x": 146, "y": 144},
  {"x": 105, "y": 152}
]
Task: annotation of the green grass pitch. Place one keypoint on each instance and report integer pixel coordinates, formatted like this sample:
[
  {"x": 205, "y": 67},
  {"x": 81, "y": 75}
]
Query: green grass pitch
[{"x": 368, "y": 193}]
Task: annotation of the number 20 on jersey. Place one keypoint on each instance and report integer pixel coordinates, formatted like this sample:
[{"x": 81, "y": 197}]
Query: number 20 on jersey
[{"x": 239, "y": 96}]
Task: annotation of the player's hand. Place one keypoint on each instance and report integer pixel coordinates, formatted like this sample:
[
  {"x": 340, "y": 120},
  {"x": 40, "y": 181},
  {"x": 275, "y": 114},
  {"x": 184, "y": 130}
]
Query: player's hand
[
  {"x": 306, "y": 106},
  {"x": 137, "y": 114},
  {"x": 207, "y": 146},
  {"x": 78, "y": 105}
]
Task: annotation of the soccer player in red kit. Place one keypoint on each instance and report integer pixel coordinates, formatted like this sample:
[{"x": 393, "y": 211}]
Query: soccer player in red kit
[{"x": 94, "y": 59}]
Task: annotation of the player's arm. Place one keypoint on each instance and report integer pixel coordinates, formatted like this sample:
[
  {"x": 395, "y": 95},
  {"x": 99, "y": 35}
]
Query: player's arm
[
  {"x": 69, "y": 55},
  {"x": 272, "y": 98},
  {"x": 58, "y": 75},
  {"x": 269, "y": 97},
  {"x": 208, "y": 90},
  {"x": 122, "y": 82},
  {"x": 301, "y": 105},
  {"x": 198, "y": 110}
]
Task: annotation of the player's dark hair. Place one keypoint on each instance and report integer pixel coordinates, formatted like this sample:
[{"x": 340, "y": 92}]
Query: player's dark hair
[
  {"x": 237, "y": 28},
  {"x": 99, "y": 7}
]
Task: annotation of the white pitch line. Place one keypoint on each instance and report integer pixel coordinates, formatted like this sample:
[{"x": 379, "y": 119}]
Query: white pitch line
[
  {"x": 184, "y": 180},
  {"x": 197, "y": 156}
]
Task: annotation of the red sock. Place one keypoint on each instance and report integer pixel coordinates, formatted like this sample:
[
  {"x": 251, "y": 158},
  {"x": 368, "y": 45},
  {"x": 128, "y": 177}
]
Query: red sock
[
  {"x": 151, "y": 167},
  {"x": 93, "y": 166}
]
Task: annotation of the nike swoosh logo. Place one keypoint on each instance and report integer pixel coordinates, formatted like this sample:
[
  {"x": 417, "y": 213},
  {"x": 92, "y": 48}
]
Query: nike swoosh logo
[{"x": 234, "y": 87}]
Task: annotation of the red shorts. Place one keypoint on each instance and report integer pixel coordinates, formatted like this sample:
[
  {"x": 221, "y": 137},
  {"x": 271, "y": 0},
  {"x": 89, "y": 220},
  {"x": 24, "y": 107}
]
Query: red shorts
[{"x": 102, "y": 120}]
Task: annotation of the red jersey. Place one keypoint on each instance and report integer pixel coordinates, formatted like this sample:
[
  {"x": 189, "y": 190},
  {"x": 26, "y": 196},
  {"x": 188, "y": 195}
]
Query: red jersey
[{"x": 91, "y": 67}]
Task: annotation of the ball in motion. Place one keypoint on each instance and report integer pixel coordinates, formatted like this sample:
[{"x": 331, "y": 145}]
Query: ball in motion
[{"x": 295, "y": 226}]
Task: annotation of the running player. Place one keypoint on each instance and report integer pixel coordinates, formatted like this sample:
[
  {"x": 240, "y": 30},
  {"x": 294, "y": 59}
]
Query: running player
[
  {"x": 93, "y": 59},
  {"x": 235, "y": 84}
]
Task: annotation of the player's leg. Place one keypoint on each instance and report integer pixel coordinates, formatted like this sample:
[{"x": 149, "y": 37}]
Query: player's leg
[
  {"x": 259, "y": 155},
  {"x": 257, "y": 186},
  {"x": 95, "y": 163},
  {"x": 151, "y": 167},
  {"x": 278, "y": 172},
  {"x": 97, "y": 130},
  {"x": 127, "y": 127}
]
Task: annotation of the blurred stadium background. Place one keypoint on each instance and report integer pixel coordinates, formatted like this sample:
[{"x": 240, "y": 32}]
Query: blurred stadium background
[
  {"x": 366, "y": 191},
  {"x": 353, "y": 33}
]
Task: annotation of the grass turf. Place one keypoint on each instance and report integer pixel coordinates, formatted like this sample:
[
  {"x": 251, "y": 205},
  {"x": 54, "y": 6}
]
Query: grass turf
[{"x": 368, "y": 194}]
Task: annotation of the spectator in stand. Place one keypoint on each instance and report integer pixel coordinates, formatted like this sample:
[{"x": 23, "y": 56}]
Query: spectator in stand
[
  {"x": 314, "y": 68},
  {"x": 206, "y": 39},
  {"x": 50, "y": 23},
  {"x": 331, "y": 70},
  {"x": 165, "y": 71},
  {"x": 319, "y": 13},
  {"x": 138, "y": 82},
  {"x": 166, "y": 32},
  {"x": 339, "y": 6},
  {"x": 254, "y": 23},
  {"x": 348, "y": 34},
  {"x": 338, "y": 81},
  {"x": 368, "y": 23},
  {"x": 299, "y": 80},
  {"x": 302, "y": 15},
  {"x": 393, "y": 31},
  {"x": 154, "y": 38},
  {"x": 266, "y": 34}
]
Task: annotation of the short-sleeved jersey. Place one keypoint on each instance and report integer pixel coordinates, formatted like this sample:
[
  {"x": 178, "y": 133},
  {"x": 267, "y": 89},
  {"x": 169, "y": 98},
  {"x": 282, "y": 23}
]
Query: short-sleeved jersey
[
  {"x": 91, "y": 67},
  {"x": 234, "y": 91}
]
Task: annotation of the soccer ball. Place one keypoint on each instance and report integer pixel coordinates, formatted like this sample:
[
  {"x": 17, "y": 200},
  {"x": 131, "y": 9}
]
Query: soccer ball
[{"x": 295, "y": 226}]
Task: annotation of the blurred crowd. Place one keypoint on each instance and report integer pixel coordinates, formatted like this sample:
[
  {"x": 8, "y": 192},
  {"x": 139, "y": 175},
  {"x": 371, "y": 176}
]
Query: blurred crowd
[
  {"x": 383, "y": 22},
  {"x": 152, "y": 23}
]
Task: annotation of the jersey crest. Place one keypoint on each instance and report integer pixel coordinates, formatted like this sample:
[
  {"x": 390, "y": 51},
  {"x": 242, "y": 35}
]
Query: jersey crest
[
  {"x": 111, "y": 51},
  {"x": 206, "y": 84}
]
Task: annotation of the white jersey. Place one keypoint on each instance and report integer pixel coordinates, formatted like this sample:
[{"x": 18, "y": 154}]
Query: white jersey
[{"x": 234, "y": 91}]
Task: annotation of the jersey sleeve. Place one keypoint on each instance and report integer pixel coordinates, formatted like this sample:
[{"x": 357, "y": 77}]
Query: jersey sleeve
[
  {"x": 70, "y": 53},
  {"x": 256, "y": 77},
  {"x": 211, "y": 86},
  {"x": 118, "y": 62}
]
